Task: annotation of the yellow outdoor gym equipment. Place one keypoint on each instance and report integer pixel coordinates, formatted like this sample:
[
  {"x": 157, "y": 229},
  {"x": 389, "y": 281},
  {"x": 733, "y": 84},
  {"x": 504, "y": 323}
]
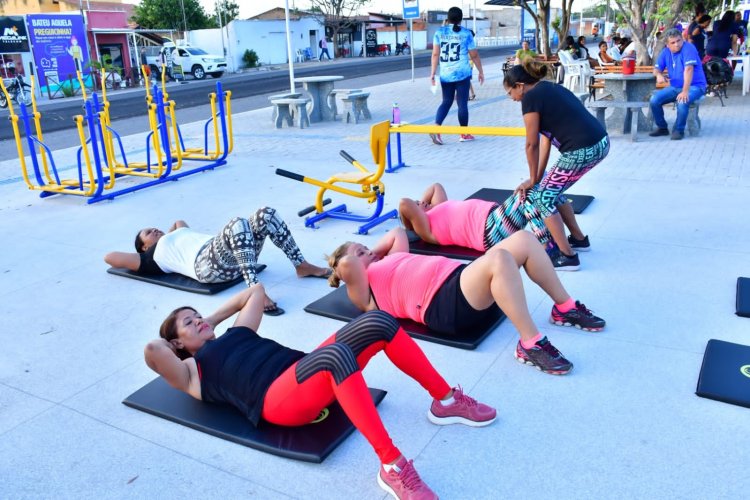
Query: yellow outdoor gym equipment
[
  {"x": 371, "y": 187},
  {"x": 46, "y": 177},
  {"x": 405, "y": 128}
]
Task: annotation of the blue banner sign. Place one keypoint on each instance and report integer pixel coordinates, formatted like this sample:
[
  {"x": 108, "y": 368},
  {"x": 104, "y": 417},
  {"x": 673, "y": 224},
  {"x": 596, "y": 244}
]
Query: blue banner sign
[{"x": 59, "y": 45}]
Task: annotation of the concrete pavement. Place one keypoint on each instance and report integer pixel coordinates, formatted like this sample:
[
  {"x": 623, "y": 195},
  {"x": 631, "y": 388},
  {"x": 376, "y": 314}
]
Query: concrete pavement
[{"x": 669, "y": 233}]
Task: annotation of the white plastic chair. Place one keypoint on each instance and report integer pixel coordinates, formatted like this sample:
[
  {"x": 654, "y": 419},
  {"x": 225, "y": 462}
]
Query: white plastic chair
[{"x": 577, "y": 73}]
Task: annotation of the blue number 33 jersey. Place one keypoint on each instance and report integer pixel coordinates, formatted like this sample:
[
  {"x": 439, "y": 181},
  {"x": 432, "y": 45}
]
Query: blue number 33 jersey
[{"x": 454, "y": 53}]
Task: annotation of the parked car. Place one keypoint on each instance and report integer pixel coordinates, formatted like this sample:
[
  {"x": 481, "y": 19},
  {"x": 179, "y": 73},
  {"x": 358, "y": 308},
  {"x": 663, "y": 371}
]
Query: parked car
[{"x": 198, "y": 62}]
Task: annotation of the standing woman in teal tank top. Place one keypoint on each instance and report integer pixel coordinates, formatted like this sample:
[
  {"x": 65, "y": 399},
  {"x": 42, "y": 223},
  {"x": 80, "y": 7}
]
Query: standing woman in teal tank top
[{"x": 452, "y": 48}]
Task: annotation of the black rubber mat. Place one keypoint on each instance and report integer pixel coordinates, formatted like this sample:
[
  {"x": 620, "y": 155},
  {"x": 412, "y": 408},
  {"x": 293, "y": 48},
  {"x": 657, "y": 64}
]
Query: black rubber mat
[
  {"x": 310, "y": 443},
  {"x": 743, "y": 297},
  {"x": 580, "y": 201},
  {"x": 178, "y": 281},
  {"x": 725, "y": 373},
  {"x": 337, "y": 305}
]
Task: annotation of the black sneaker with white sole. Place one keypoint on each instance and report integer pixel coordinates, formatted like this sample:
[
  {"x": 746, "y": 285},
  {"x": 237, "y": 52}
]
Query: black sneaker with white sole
[
  {"x": 579, "y": 245},
  {"x": 563, "y": 262}
]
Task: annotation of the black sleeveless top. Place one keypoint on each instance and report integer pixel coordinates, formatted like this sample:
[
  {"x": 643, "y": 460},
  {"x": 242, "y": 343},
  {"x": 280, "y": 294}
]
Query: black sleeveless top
[{"x": 238, "y": 368}]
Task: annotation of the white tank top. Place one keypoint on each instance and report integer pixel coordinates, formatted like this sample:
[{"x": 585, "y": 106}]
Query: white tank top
[{"x": 176, "y": 251}]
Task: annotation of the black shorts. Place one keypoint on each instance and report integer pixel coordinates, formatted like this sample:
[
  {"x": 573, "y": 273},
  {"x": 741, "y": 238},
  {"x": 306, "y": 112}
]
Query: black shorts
[{"x": 450, "y": 313}]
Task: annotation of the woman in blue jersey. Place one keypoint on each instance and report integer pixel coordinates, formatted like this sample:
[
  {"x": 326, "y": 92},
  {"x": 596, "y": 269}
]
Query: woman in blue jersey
[{"x": 452, "y": 49}]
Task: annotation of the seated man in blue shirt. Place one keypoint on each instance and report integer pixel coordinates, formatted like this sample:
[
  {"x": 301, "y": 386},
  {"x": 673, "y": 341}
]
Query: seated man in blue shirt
[{"x": 687, "y": 83}]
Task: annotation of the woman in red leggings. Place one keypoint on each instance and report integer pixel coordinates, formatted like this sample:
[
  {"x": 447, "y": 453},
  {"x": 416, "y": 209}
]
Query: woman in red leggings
[{"x": 265, "y": 380}]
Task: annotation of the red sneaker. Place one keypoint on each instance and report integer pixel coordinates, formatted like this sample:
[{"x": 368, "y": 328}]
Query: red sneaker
[
  {"x": 466, "y": 138},
  {"x": 464, "y": 410},
  {"x": 436, "y": 139},
  {"x": 404, "y": 483}
]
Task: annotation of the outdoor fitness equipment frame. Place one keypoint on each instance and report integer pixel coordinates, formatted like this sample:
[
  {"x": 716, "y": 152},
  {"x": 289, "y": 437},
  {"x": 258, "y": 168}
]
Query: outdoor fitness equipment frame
[{"x": 372, "y": 189}]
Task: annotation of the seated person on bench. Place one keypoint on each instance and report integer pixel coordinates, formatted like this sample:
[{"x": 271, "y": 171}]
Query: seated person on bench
[
  {"x": 208, "y": 259},
  {"x": 287, "y": 387},
  {"x": 449, "y": 297},
  {"x": 477, "y": 224}
]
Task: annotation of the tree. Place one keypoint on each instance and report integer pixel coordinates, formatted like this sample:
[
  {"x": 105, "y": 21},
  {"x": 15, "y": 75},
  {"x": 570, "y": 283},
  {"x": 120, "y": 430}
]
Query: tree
[
  {"x": 228, "y": 10},
  {"x": 167, "y": 14},
  {"x": 337, "y": 15},
  {"x": 643, "y": 18},
  {"x": 563, "y": 27},
  {"x": 541, "y": 18}
]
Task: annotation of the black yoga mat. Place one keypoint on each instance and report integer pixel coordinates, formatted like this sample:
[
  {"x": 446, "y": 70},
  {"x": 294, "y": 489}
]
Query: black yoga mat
[
  {"x": 580, "y": 201},
  {"x": 451, "y": 251},
  {"x": 178, "y": 281},
  {"x": 725, "y": 373},
  {"x": 337, "y": 305},
  {"x": 743, "y": 297},
  {"x": 309, "y": 443}
]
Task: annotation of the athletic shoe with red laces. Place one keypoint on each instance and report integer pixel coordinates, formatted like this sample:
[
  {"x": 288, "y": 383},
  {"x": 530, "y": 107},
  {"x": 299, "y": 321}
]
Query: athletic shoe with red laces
[
  {"x": 404, "y": 483},
  {"x": 544, "y": 356},
  {"x": 466, "y": 138},
  {"x": 436, "y": 139},
  {"x": 579, "y": 316},
  {"x": 464, "y": 410}
]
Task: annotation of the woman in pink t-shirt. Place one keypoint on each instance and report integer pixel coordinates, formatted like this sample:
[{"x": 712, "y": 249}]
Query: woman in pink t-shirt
[
  {"x": 450, "y": 297},
  {"x": 478, "y": 224}
]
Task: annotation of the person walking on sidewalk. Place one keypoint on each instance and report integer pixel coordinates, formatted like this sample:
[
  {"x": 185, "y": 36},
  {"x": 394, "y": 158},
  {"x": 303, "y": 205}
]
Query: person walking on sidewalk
[
  {"x": 323, "y": 44},
  {"x": 552, "y": 114},
  {"x": 453, "y": 47},
  {"x": 687, "y": 83}
]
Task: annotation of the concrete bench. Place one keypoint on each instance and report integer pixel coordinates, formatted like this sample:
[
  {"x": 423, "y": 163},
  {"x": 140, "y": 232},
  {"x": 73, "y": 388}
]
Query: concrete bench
[
  {"x": 633, "y": 107},
  {"x": 355, "y": 105},
  {"x": 288, "y": 106},
  {"x": 288, "y": 95},
  {"x": 693, "y": 124},
  {"x": 342, "y": 93}
]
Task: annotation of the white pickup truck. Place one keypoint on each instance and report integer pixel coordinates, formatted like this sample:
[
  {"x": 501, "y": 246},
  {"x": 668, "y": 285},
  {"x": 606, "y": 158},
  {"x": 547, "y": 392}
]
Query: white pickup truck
[
  {"x": 198, "y": 62},
  {"x": 191, "y": 59}
]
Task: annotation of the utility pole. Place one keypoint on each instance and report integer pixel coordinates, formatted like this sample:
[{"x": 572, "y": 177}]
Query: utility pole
[{"x": 184, "y": 19}]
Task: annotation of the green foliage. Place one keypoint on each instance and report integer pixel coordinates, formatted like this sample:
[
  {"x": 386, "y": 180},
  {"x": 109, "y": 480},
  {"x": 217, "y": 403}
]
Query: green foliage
[
  {"x": 167, "y": 14},
  {"x": 250, "y": 58},
  {"x": 228, "y": 10},
  {"x": 67, "y": 91},
  {"x": 105, "y": 64}
]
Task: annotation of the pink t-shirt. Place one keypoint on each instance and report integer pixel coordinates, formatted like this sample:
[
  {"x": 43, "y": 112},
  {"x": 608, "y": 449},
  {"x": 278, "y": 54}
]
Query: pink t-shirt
[
  {"x": 403, "y": 284},
  {"x": 461, "y": 223}
]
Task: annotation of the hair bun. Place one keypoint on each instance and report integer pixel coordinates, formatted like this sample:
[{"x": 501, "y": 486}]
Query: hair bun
[{"x": 456, "y": 28}]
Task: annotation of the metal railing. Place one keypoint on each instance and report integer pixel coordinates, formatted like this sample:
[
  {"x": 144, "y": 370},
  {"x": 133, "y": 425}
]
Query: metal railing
[{"x": 497, "y": 41}]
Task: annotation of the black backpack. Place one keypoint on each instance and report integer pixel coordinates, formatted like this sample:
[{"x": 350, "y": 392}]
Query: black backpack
[
  {"x": 320, "y": 44},
  {"x": 718, "y": 71}
]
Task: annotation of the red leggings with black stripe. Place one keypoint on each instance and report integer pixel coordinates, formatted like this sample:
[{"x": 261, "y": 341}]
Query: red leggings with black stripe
[{"x": 333, "y": 371}]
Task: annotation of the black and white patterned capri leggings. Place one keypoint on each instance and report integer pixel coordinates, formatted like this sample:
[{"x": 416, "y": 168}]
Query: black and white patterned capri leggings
[{"x": 235, "y": 250}]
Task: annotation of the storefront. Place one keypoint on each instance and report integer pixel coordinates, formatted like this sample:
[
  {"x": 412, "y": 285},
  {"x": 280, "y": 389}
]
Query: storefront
[{"x": 15, "y": 52}]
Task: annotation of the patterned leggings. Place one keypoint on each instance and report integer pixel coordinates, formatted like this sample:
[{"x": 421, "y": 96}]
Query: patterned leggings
[
  {"x": 235, "y": 250},
  {"x": 541, "y": 200},
  {"x": 333, "y": 371}
]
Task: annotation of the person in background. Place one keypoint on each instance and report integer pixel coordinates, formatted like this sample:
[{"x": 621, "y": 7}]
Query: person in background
[
  {"x": 614, "y": 50},
  {"x": 741, "y": 25},
  {"x": 723, "y": 37},
  {"x": 323, "y": 45},
  {"x": 697, "y": 34},
  {"x": 453, "y": 47},
  {"x": 687, "y": 83},
  {"x": 524, "y": 51},
  {"x": 603, "y": 57}
]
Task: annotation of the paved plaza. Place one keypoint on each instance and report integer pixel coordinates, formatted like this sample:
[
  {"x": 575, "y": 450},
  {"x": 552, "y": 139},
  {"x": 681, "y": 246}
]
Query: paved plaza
[{"x": 670, "y": 235}]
